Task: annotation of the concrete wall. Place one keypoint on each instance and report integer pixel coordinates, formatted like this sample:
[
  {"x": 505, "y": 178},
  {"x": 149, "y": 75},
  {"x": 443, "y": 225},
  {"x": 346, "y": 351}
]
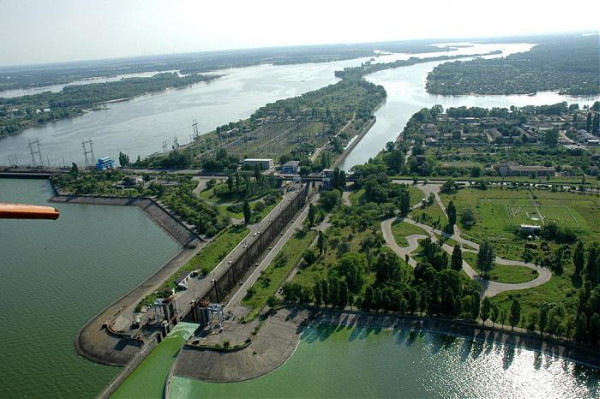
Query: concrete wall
[{"x": 228, "y": 279}]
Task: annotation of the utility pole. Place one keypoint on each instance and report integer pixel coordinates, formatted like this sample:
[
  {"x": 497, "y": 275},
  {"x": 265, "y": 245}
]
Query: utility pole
[
  {"x": 37, "y": 151},
  {"x": 195, "y": 127},
  {"x": 86, "y": 151}
]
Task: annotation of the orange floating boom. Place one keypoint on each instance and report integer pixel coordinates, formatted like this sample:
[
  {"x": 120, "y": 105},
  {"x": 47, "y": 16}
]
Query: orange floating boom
[{"x": 24, "y": 211}]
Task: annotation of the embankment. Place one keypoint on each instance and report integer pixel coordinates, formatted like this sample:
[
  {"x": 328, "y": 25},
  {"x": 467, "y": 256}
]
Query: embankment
[
  {"x": 365, "y": 129},
  {"x": 158, "y": 213}
]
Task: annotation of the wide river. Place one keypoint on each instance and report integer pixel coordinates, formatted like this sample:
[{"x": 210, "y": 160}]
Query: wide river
[
  {"x": 140, "y": 126},
  {"x": 55, "y": 275}
]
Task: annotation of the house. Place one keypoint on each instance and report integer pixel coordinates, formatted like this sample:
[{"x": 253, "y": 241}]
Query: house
[
  {"x": 530, "y": 229},
  {"x": 105, "y": 163},
  {"x": 429, "y": 130},
  {"x": 264, "y": 163},
  {"x": 494, "y": 135},
  {"x": 290, "y": 168},
  {"x": 513, "y": 169}
]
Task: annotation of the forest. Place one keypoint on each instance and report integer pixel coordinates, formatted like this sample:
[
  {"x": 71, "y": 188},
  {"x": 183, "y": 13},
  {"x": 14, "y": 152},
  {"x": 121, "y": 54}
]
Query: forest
[{"x": 569, "y": 66}]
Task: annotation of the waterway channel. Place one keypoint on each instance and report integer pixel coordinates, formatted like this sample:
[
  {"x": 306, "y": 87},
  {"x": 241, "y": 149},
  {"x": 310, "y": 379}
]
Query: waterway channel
[
  {"x": 55, "y": 276},
  {"x": 141, "y": 126}
]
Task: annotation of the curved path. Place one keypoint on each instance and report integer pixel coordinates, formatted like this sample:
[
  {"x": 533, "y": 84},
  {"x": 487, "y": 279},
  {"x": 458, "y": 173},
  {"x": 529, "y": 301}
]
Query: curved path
[{"x": 489, "y": 288}]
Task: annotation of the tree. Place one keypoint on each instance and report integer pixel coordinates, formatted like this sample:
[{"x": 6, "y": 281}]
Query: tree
[
  {"x": 311, "y": 214},
  {"x": 321, "y": 242},
  {"x": 502, "y": 317},
  {"x": 592, "y": 269},
  {"x": 515, "y": 313},
  {"x": 123, "y": 159},
  {"x": 558, "y": 264},
  {"x": 449, "y": 187},
  {"x": 247, "y": 212},
  {"x": 486, "y": 308},
  {"x": 404, "y": 203},
  {"x": 74, "y": 169},
  {"x": 343, "y": 297},
  {"x": 318, "y": 293},
  {"x": 330, "y": 199},
  {"x": 467, "y": 218},
  {"x": 451, "y": 213},
  {"x": 551, "y": 138},
  {"x": 579, "y": 258},
  {"x": 457, "y": 262},
  {"x": 230, "y": 183},
  {"x": 494, "y": 314},
  {"x": 351, "y": 268},
  {"x": 486, "y": 258}
]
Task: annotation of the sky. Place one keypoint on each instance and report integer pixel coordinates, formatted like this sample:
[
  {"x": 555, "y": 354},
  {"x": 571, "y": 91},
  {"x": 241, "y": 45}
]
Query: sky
[{"x": 44, "y": 31}]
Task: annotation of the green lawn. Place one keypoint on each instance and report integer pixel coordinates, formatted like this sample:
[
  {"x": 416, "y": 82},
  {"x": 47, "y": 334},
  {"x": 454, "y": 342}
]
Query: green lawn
[
  {"x": 210, "y": 256},
  {"x": 401, "y": 230},
  {"x": 497, "y": 213},
  {"x": 356, "y": 197},
  {"x": 431, "y": 215},
  {"x": 416, "y": 195},
  {"x": 337, "y": 238},
  {"x": 503, "y": 273},
  {"x": 276, "y": 272},
  {"x": 559, "y": 289}
]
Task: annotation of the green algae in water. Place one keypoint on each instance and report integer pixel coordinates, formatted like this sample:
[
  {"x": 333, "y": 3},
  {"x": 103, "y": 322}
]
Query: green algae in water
[
  {"x": 374, "y": 363},
  {"x": 149, "y": 378}
]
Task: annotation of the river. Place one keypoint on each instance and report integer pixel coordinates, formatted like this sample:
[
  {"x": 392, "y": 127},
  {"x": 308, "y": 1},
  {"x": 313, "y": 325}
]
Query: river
[
  {"x": 55, "y": 276},
  {"x": 140, "y": 126}
]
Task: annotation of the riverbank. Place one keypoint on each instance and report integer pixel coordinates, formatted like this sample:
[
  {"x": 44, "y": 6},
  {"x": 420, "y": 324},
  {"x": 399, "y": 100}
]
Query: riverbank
[
  {"x": 365, "y": 129},
  {"x": 279, "y": 336},
  {"x": 96, "y": 341}
]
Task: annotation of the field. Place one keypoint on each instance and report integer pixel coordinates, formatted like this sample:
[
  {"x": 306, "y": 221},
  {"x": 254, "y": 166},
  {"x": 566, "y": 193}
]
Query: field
[
  {"x": 521, "y": 212},
  {"x": 498, "y": 213}
]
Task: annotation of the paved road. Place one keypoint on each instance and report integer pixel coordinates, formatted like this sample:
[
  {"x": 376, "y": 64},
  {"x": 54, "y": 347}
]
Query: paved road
[
  {"x": 234, "y": 302},
  {"x": 489, "y": 288},
  {"x": 198, "y": 287}
]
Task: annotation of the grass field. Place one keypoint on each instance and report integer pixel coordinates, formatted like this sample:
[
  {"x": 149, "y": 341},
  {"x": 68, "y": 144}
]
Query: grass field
[
  {"x": 275, "y": 274},
  {"x": 498, "y": 213},
  {"x": 401, "y": 230},
  {"x": 503, "y": 273}
]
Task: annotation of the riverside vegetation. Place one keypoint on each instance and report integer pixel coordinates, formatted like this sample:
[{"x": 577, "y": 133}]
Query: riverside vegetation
[
  {"x": 19, "y": 113},
  {"x": 348, "y": 264},
  {"x": 568, "y": 65}
]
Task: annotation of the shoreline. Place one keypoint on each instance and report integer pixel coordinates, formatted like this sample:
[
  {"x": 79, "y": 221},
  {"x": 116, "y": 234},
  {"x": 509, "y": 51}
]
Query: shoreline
[
  {"x": 348, "y": 150},
  {"x": 94, "y": 340},
  {"x": 280, "y": 335},
  {"x": 161, "y": 216}
]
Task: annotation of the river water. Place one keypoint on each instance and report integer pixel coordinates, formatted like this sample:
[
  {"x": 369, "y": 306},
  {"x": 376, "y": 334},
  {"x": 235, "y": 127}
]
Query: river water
[
  {"x": 55, "y": 276},
  {"x": 141, "y": 126}
]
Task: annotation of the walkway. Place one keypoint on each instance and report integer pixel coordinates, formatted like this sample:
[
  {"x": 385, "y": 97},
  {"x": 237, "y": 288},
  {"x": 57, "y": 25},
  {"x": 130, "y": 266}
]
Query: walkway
[{"x": 489, "y": 288}]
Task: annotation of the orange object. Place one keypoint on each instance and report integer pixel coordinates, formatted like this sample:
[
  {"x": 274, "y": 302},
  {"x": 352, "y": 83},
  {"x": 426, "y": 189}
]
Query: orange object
[{"x": 24, "y": 211}]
